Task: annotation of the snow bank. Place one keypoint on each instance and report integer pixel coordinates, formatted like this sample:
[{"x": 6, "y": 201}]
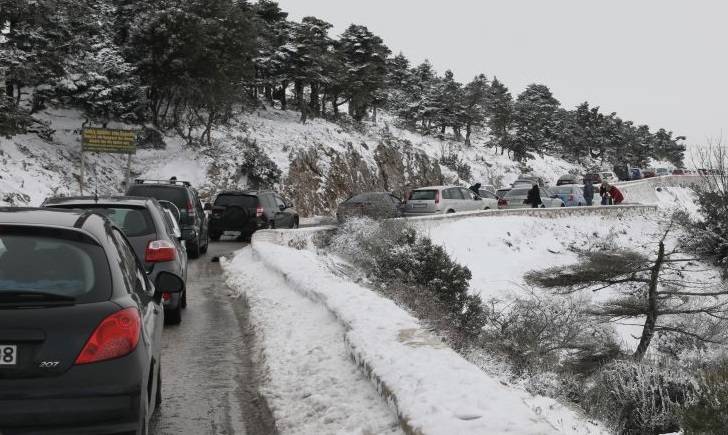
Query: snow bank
[
  {"x": 434, "y": 390},
  {"x": 309, "y": 381}
]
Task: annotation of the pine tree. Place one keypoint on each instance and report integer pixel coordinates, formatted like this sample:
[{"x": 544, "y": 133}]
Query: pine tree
[
  {"x": 365, "y": 60},
  {"x": 534, "y": 115},
  {"x": 474, "y": 106},
  {"x": 499, "y": 110}
]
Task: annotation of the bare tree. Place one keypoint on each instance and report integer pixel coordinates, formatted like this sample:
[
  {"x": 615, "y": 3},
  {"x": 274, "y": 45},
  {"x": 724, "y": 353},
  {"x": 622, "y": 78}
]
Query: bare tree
[{"x": 656, "y": 287}]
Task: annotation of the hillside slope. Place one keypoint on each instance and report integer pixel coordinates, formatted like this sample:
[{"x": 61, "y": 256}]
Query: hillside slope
[{"x": 321, "y": 162}]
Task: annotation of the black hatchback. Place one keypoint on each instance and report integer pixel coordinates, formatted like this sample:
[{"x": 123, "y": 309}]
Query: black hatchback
[
  {"x": 246, "y": 212},
  {"x": 80, "y": 326}
]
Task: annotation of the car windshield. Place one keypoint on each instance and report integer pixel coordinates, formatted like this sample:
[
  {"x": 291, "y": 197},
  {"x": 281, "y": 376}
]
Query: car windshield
[
  {"x": 427, "y": 195},
  {"x": 45, "y": 266},
  {"x": 518, "y": 192},
  {"x": 175, "y": 195},
  {"x": 560, "y": 190},
  {"x": 244, "y": 201}
]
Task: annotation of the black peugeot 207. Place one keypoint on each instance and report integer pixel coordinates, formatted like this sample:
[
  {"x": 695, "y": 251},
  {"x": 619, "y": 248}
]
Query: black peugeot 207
[{"x": 80, "y": 326}]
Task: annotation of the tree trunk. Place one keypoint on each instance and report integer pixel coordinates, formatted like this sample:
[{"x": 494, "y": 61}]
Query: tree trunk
[
  {"x": 269, "y": 94},
  {"x": 649, "y": 329},
  {"x": 468, "y": 132},
  {"x": 314, "y": 103},
  {"x": 298, "y": 90},
  {"x": 374, "y": 114},
  {"x": 284, "y": 88}
]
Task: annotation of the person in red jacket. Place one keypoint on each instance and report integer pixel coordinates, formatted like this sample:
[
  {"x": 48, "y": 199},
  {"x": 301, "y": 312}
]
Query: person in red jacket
[{"x": 616, "y": 195}]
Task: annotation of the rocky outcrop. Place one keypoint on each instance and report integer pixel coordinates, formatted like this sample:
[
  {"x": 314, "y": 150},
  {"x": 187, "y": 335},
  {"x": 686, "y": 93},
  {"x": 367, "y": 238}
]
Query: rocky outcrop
[{"x": 320, "y": 177}]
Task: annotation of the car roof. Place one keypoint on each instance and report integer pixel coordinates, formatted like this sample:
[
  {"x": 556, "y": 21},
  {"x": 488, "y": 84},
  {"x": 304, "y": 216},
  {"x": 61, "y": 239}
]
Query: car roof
[
  {"x": 101, "y": 200},
  {"x": 72, "y": 219},
  {"x": 439, "y": 187}
]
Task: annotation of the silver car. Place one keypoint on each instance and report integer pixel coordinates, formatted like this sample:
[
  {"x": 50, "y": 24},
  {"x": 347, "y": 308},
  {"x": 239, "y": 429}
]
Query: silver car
[
  {"x": 515, "y": 198},
  {"x": 445, "y": 199}
]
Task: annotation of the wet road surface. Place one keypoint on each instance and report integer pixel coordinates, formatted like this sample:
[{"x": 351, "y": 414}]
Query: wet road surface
[{"x": 208, "y": 385}]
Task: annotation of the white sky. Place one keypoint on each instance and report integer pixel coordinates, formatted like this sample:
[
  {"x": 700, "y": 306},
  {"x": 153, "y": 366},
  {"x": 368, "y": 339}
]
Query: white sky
[{"x": 657, "y": 62}]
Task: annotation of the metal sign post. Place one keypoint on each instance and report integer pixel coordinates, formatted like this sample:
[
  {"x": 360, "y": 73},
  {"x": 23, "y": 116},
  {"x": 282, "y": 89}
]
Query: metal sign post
[{"x": 103, "y": 140}]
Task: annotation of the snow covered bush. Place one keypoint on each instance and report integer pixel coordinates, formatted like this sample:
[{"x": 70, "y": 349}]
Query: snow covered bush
[
  {"x": 707, "y": 411},
  {"x": 13, "y": 119},
  {"x": 414, "y": 271},
  {"x": 257, "y": 166},
  {"x": 639, "y": 397}
]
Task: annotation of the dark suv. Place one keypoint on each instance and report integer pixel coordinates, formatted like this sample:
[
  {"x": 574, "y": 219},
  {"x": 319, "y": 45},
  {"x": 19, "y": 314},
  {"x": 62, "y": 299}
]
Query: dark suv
[
  {"x": 193, "y": 220},
  {"x": 248, "y": 211},
  {"x": 150, "y": 230}
]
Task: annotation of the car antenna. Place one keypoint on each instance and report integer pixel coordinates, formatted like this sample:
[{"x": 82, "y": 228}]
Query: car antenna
[{"x": 96, "y": 187}]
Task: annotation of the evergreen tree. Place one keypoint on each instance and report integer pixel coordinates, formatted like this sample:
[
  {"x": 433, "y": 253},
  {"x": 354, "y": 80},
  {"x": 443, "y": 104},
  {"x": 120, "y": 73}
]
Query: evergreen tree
[
  {"x": 499, "y": 110},
  {"x": 365, "y": 59},
  {"x": 474, "y": 106},
  {"x": 534, "y": 115}
]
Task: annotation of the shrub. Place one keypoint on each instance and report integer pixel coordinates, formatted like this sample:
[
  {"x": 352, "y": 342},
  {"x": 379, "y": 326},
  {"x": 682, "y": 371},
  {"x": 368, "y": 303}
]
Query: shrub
[
  {"x": 707, "y": 411},
  {"x": 13, "y": 119},
  {"x": 259, "y": 168},
  {"x": 639, "y": 397},
  {"x": 150, "y": 138},
  {"x": 458, "y": 165}
]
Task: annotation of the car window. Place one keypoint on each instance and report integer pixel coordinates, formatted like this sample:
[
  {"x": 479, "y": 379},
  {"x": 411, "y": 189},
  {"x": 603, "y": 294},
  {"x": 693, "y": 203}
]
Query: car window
[
  {"x": 134, "y": 221},
  {"x": 448, "y": 194},
  {"x": 467, "y": 193},
  {"x": 487, "y": 194},
  {"x": 35, "y": 261},
  {"x": 279, "y": 202},
  {"x": 427, "y": 195},
  {"x": 244, "y": 201},
  {"x": 175, "y": 195},
  {"x": 134, "y": 275},
  {"x": 517, "y": 192},
  {"x": 563, "y": 189}
]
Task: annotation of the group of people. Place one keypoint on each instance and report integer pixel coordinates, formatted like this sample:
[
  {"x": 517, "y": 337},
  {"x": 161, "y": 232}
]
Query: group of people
[{"x": 609, "y": 193}]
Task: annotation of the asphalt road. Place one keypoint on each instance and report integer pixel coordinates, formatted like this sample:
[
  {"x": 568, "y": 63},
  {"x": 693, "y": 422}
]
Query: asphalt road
[{"x": 208, "y": 382}]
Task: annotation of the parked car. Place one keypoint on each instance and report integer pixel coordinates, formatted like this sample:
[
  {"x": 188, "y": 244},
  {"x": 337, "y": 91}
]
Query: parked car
[
  {"x": 525, "y": 179},
  {"x": 609, "y": 176},
  {"x": 595, "y": 177},
  {"x": 500, "y": 193},
  {"x": 153, "y": 234},
  {"x": 661, "y": 172},
  {"x": 568, "y": 179},
  {"x": 679, "y": 172},
  {"x": 490, "y": 199},
  {"x": 515, "y": 198},
  {"x": 193, "y": 220},
  {"x": 376, "y": 205},
  {"x": 442, "y": 199},
  {"x": 81, "y": 325},
  {"x": 572, "y": 195},
  {"x": 649, "y": 173},
  {"x": 249, "y": 211},
  {"x": 635, "y": 174}
]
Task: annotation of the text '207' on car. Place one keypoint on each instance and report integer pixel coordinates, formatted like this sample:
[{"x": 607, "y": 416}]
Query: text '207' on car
[{"x": 80, "y": 325}]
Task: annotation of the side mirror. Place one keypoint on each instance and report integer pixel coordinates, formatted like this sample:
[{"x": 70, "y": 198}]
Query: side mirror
[
  {"x": 207, "y": 206},
  {"x": 168, "y": 283},
  {"x": 281, "y": 207}
]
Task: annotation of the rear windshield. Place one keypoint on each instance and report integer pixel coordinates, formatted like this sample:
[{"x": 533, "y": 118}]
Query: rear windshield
[
  {"x": 427, "y": 195},
  {"x": 175, "y": 195},
  {"x": 39, "y": 267},
  {"x": 134, "y": 221},
  {"x": 518, "y": 192},
  {"x": 563, "y": 189},
  {"x": 244, "y": 201}
]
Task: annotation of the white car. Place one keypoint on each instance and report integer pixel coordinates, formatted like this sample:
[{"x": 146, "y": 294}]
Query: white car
[
  {"x": 609, "y": 176},
  {"x": 515, "y": 198},
  {"x": 445, "y": 199}
]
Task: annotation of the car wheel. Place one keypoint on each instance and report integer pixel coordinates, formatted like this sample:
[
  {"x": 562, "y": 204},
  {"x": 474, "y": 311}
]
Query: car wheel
[
  {"x": 450, "y": 211},
  {"x": 173, "y": 316},
  {"x": 203, "y": 249},
  {"x": 183, "y": 301},
  {"x": 563, "y": 205},
  {"x": 487, "y": 208},
  {"x": 272, "y": 225},
  {"x": 193, "y": 249},
  {"x": 295, "y": 223}
]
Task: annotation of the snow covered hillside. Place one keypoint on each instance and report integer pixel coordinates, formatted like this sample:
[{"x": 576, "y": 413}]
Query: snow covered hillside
[{"x": 321, "y": 162}]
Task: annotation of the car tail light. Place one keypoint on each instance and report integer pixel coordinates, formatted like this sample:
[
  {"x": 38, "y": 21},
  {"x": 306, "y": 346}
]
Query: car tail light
[
  {"x": 166, "y": 296},
  {"x": 159, "y": 251},
  {"x": 437, "y": 197},
  {"x": 116, "y": 336},
  {"x": 502, "y": 203},
  {"x": 190, "y": 209},
  {"x": 259, "y": 211}
]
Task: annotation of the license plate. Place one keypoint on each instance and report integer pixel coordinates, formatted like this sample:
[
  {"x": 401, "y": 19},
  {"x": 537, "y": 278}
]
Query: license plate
[
  {"x": 8, "y": 354},
  {"x": 419, "y": 205}
]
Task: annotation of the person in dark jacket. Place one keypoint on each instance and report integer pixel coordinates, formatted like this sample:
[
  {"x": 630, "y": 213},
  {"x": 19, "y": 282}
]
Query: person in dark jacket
[
  {"x": 476, "y": 188},
  {"x": 534, "y": 197},
  {"x": 604, "y": 193},
  {"x": 616, "y": 195},
  {"x": 588, "y": 192}
]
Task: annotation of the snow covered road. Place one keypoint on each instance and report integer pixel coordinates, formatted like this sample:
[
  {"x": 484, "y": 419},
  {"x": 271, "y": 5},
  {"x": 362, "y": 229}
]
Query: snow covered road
[{"x": 311, "y": 384}]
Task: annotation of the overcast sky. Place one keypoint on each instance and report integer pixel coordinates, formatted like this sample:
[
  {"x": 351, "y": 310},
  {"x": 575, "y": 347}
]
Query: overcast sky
[{"x": 657, "y": 62}]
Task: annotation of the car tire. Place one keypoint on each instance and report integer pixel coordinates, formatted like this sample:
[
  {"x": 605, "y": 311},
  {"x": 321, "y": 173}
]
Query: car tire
[
  {"x": 158, "y": 397},
  {"x": 203, "y": 249},
  {"x": 193, "y": 249},
  {"x": 183, "y": 300},
  {"x": 173, "y": 316},
  {"x": 295, "y": 223},
  {"x": 563, "y": 205},
  {"x": 450, "y": 211}
]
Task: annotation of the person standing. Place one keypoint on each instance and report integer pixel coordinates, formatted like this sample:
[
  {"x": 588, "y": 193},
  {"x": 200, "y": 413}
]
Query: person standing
[
  {"x": 604, "y": 193},
  {"x": 534, "y": 197},
  {"x": 588, "y": 192},
  {"x": 475, "y": 188}
]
